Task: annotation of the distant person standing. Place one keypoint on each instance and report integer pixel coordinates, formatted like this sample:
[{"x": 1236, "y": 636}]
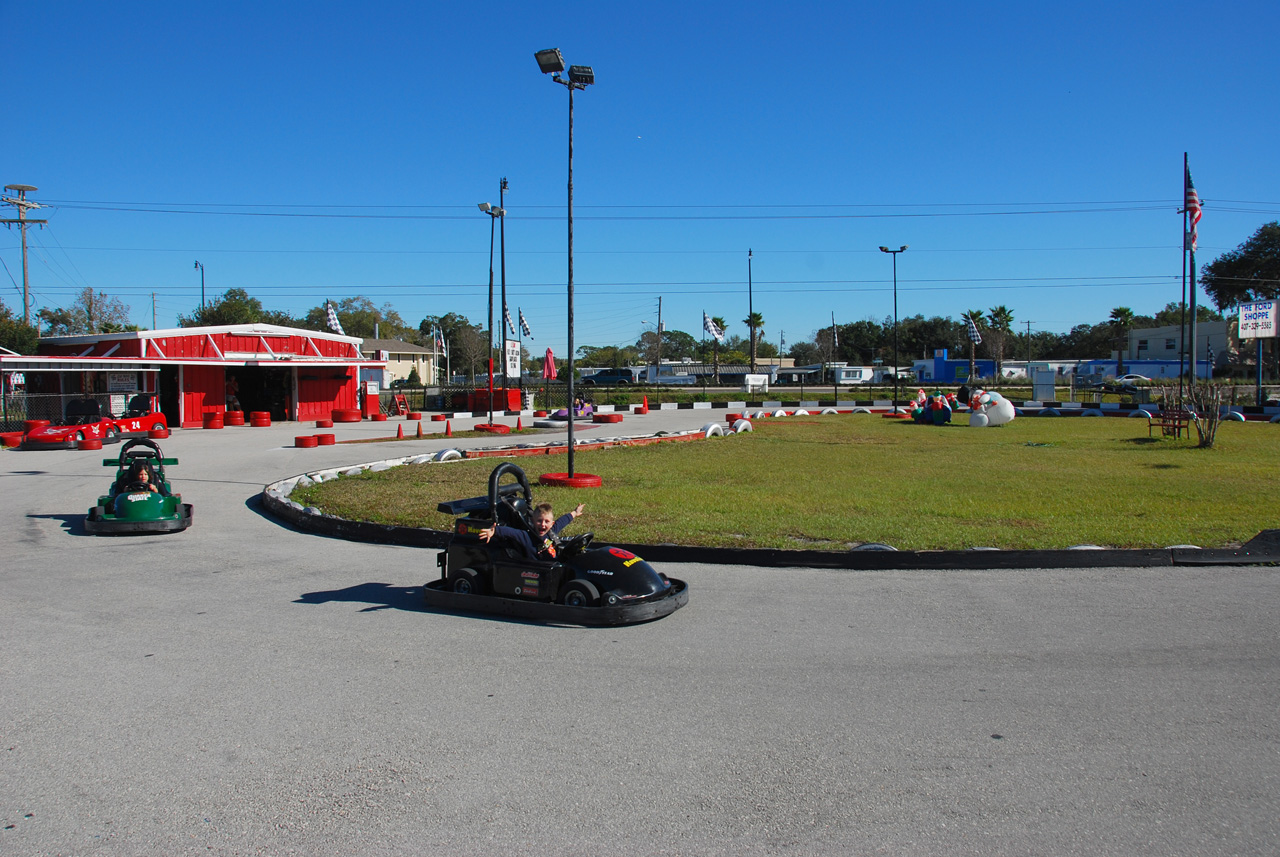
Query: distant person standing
[{"x": 233, "y": 388}]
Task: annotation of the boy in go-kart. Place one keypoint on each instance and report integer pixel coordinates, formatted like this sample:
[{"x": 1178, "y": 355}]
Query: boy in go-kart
[{"x": 544, "y": 543}]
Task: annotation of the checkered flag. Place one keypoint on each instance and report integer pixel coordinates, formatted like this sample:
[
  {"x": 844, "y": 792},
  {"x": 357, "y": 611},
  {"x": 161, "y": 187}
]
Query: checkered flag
[
  {"x": 974, "y": 336},
  {"x": 334, "y": 324},
  {"x": 712, "y": 328},
  {"x": 524, "y": 325},
  {"x": 506, "y": 313}
]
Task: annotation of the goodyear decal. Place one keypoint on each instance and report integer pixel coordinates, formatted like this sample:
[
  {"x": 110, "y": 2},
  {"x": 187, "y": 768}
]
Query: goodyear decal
[{"x": 137, "y": 497}]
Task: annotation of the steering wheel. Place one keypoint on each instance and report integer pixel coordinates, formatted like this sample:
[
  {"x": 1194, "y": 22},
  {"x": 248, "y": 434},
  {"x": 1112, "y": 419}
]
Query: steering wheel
[{"x": 576, "y": 544}]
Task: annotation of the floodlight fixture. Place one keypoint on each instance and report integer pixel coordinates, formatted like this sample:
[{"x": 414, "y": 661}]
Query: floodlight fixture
[
  {"x": 484, "y": 206},
  {"x": 549, "y": 60},
  {"x": 581, "y": 75}
]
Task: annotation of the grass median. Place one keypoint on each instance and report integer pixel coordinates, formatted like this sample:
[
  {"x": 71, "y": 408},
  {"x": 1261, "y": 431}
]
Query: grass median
[{"x": 832, "y": 482}]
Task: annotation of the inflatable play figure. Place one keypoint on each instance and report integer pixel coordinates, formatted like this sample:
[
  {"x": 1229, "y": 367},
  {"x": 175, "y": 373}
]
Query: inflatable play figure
[{"x": 990, "y": 409}]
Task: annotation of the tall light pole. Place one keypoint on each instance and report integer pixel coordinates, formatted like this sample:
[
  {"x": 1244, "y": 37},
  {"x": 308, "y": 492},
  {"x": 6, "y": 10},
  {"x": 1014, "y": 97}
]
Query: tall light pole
[
  {"x": 494, "y": 215},
  {"x": 200, "y": 267},
  {"x": 751, "y": 314},
  {"x": 895, "y": 253},
  {"x": 551, "y": 62},
  {"x": 502, "y": 255}
]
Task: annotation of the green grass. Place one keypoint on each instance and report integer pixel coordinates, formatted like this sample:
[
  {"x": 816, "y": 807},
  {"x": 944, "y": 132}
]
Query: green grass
[{"x": 831, "y": 482}]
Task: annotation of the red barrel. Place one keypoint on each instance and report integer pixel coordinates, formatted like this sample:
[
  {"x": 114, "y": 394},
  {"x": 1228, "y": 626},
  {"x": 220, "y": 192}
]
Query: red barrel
[
  {"x": 326, "y": 439},
  {"x": 439, "y": 418},
  {"x": 213, "y": 420},
  {"x": 413, "y": 415},
  {"x": 259, "y": 419},
  {"x": 378, "y": 418},
  {"x": 346, "y": 415},
  {"x": 158, "y": 434},
  {"x": 89, "y": 443},
  {"x": 324, "y": 423},
  {"x": 305, "y": 441},
  {"x": 234, "y": 418}
]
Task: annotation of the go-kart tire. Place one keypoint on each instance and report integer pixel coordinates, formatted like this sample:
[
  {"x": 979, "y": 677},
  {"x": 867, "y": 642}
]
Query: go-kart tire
[
  {"x": 466, "y": 581},
  {"x": 158, "y": 426},
  {"x": 579, "y": 593},
  {"x": 79, "y": 436}
]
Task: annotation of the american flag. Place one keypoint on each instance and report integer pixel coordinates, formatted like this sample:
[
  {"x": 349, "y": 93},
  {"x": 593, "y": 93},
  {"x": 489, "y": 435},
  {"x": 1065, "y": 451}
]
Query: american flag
[
  {"x": 506, "y": 313},
  {"x": 712, "y": 328},
  {"x": 1193, "y": 209},
  {"x": 974, "y": 336},
  {"x": 334, "y": 324},
  {"x": 524, "y": 325},
  {"x": 439, "y": 339}
]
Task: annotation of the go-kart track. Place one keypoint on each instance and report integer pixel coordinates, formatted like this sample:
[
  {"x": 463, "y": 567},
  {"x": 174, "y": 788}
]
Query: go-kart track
[{"x": 245, "y": 687}]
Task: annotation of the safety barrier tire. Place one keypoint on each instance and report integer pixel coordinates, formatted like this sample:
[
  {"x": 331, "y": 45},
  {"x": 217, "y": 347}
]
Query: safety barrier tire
[
  {"x": 564, "y": 480},
  {"x": 713, "y": 430},
  {"x": 326, "y": 440},
  {"x": 29, "y": 426},
  {"x": 233, "y": 418},
  {"x": 89, "y": 443},
  {"x": 439, "y": 418},
  {"x": 346, "y": 415},
  {"x": 378, "y": 418},
  {"x": 413, "y": 415},
  {"x": 212, "y": 421},
  {"x": 324, "y": 423},
  {"x": 306, "y": 441},
  {"x": 606, "y": 418},
  {"x": 158, "y": 434}
]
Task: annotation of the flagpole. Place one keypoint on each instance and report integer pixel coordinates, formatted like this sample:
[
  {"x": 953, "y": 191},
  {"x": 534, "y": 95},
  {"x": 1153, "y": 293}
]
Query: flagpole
[{"x": 1182, "y": 323}]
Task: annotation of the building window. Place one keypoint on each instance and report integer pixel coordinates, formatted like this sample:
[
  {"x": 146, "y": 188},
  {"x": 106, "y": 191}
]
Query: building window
[
  {"x": 1170, "y": 344},
  {"x": 1142, "y": 345}
]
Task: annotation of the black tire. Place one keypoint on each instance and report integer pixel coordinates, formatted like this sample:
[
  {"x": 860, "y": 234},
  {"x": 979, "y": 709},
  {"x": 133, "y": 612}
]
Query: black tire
[
  {"x": 579, "y": 593},
  {"x": 465, "y": 581},
  {"x": 79, "y": 436},
  {"x": 111, "y": 433},
  {"x": 158, "y": 426}
]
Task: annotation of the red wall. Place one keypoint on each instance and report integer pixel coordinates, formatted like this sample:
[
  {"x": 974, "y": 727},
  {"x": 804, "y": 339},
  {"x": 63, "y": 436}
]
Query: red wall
[
  {"x": 322, "y": 390},
  {"x": 204, "y": 391}
]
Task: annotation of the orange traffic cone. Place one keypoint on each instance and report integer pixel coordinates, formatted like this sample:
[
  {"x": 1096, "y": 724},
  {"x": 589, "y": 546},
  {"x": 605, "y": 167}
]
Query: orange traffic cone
[
  {"x": 419, "y": 428},
  {"x": 519, "y": 426},
  {"x": 448, "y": 429},
  {"x": 400, "y": 431}
]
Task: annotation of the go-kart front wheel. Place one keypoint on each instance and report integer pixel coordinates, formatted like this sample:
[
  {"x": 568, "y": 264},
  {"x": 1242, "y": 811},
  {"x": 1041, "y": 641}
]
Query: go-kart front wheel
[
  {"x": 579, "y": 593},
  {"x": 466, "y": 581}
]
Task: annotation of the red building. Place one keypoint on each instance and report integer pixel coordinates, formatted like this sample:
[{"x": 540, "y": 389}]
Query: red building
[{"x": 292, "y": 374}]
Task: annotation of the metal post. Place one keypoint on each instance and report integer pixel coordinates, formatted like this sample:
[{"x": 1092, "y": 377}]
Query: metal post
[
  {"x": 492, "y": 224},
  {"x": 751, "y": 314},
  {"x": 572, "y": 414},
  {"x": 502, "y": 188}
]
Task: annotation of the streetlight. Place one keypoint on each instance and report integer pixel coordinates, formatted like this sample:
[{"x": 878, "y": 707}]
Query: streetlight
[
  {"x": 201, "y": 267},
  {"x": 494, "y": 214},
  {"x": 751, "y": 314},
  {"x": 895, "y": 253},
  {"x": 551, "y": 62}
]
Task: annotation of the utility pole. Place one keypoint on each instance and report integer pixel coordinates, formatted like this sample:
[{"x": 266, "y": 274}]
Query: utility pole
[
  {"x": 153, "y": 310},
  {"x": 22, "y": 204},
  {"x": 657, "y": 350},
  {"x": 1028, "y": 349}
]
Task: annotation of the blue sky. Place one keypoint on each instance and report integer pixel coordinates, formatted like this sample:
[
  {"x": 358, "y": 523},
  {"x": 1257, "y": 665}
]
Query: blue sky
[{"x": 1030, "y": 155}]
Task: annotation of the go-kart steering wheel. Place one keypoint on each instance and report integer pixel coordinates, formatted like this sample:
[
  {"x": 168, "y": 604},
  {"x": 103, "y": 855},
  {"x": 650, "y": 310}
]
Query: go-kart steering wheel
[{"x": 576, "y": 544}]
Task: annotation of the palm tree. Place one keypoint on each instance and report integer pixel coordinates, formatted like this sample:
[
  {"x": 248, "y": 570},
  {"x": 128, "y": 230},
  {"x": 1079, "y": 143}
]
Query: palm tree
[
  {"x": 720, "y": 324},
  {"x": 1000, "y": 321},
  {"x": 755, "y": 321},
  {"x": 977, "y": 315},
  {"x": 1121, "y": 322}
]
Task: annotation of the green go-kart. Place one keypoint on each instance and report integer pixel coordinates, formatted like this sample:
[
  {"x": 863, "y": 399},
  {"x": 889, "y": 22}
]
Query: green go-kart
[{"x": 140, "y": 500}]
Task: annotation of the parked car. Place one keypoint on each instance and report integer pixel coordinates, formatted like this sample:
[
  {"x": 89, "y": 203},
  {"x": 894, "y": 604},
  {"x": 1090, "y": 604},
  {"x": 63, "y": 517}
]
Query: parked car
[
  {"x": 609, "y": 377},
  {"x": 1131, "y": 379}
]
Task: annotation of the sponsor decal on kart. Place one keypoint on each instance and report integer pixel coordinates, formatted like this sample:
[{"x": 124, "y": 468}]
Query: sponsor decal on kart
[
  {"x": 621, "y": 554},
  {"x": 599, "y": 571},
  {"x": 528, "y": 590},
  {"x": 133, "y": 498},
  {"x": 531, "y": 576}
]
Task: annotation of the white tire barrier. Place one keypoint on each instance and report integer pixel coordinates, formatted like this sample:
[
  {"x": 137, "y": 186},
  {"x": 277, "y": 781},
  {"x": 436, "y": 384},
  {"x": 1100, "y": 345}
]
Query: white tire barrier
[
  {"x": 826, "y": 411},
  {"x": 1092, "y": 412},
  {"x": 713, "y": 430},
  {"x": 447, "y": 455},
  {"x": 741, "y": 426}
]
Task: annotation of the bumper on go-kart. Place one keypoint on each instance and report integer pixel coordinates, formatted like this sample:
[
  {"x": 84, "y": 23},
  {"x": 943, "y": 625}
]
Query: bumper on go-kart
[
  {"x": 436, "y": 595},
  {"x": 101, "y": 523}
]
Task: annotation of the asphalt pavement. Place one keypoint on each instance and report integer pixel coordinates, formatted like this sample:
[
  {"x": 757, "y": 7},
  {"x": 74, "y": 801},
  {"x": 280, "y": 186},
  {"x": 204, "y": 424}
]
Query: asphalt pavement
[{"x": 244, "y": 688}]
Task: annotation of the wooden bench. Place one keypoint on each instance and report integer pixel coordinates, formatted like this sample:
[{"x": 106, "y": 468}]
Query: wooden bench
[{"x": 1171, "y": 423}]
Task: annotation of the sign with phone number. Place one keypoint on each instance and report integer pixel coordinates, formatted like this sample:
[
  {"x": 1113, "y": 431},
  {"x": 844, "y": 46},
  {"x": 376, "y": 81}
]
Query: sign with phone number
[{"x": 1258, "y": 320}]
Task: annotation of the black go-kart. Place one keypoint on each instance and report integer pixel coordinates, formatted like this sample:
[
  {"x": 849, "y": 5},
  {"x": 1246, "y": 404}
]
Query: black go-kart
[
  {"x": 583, "y": 586},
  {"x": 137, "y": 508}
]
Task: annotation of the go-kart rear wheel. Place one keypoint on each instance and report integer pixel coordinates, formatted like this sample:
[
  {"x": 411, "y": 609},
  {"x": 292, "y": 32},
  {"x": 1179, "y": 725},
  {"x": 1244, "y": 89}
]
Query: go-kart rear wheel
[
  {"x": 579, "y": 593},
  {"x": 158, "y": 426},
  {"x": 465, "y": 581}
]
